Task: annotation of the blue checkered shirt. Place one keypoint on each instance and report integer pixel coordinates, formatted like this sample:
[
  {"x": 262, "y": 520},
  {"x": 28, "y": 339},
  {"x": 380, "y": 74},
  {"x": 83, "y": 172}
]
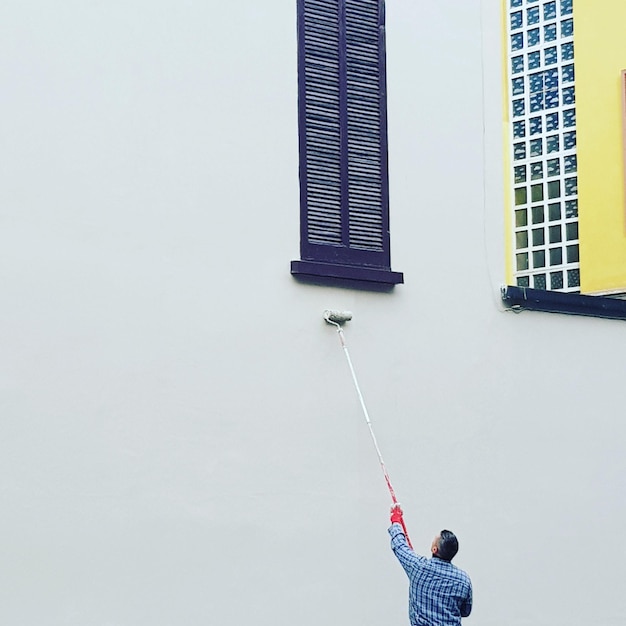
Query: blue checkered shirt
[{"x": 440, "y": 593}]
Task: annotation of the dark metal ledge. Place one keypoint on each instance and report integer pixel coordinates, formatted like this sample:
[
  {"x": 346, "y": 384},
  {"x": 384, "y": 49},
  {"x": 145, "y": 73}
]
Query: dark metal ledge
[
  {"x": 334, "y": 274},
  {"x": 522, "y": 298}
]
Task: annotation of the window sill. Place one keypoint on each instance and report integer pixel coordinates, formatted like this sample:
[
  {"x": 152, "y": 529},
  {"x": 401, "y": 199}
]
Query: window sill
[
  {"x": 346, "y": 275},
  {"x": 524, "y": 298}
]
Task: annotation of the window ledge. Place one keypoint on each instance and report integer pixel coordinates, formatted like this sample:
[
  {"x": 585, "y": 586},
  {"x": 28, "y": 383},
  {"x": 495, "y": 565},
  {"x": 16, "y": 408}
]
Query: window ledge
[
  {"x": 524, "y": 298},
  {"x": 333, "y": 274}
]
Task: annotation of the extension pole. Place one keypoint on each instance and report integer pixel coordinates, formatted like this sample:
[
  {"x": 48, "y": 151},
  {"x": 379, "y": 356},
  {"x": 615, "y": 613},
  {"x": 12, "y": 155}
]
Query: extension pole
[{"x": 329, "y": 318}]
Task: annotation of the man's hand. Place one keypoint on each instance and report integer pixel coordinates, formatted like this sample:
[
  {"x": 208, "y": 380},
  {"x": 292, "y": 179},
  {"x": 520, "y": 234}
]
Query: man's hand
[{"x": 396, "y": 514}]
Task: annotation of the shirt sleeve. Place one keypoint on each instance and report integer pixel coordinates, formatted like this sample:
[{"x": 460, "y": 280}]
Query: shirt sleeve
[
  {"x": 466, "y": 607},
  {"x": 408, "y": 559}
]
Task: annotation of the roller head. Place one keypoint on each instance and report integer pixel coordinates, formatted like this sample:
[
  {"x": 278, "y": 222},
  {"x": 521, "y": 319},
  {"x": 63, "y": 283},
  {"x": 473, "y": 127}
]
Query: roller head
[{"x": 337, "y": 317}]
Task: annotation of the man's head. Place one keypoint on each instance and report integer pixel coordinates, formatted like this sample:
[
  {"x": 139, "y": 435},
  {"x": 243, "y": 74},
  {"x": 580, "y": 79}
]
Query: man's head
[{"x": 445, "y": 545}]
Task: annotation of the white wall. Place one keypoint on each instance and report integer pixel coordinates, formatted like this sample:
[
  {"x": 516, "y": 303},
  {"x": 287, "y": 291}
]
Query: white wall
[{"x": 181, "y": 442}]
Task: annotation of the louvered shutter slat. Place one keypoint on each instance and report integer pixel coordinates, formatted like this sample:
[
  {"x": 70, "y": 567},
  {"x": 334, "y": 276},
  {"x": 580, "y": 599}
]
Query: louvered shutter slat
[
  {"x": 364, "y": 183},
  {"x": 322, "y": 128}
]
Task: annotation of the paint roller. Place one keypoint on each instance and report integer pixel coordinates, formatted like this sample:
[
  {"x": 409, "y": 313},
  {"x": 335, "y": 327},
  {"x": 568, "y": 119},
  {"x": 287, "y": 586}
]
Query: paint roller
[{"x": 337, "y": 319}]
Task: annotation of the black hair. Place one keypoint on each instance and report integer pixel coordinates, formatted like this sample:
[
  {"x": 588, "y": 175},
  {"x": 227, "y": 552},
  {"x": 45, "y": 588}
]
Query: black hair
[{"x": 448, "y": 545}]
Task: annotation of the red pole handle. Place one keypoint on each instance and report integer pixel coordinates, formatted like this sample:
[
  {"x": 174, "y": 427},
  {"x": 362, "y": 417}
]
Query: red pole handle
[
  {"x": 406, "y": 534},
  {"x": 404, "y": 530}
]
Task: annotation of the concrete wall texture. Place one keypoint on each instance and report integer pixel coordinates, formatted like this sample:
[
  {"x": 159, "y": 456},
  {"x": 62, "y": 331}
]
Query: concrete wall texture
[{"x": 181, "y": 441}]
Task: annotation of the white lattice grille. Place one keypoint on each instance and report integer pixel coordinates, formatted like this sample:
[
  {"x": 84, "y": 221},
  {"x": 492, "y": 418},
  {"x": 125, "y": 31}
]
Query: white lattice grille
[{"x": 542, "y": 137}]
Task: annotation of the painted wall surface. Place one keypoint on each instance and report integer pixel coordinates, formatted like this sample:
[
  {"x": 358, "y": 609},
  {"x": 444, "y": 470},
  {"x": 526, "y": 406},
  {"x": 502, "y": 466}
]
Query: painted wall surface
[
  {"x": 181, "y": 441},
  {"x": 600, "y": 59}
]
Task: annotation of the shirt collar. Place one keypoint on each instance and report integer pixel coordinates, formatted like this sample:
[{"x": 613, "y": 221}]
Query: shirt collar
[{"x": 437, "y": 559}]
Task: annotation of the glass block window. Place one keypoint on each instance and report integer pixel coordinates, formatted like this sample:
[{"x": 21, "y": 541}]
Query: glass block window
[{"x": 542, "y": 140}]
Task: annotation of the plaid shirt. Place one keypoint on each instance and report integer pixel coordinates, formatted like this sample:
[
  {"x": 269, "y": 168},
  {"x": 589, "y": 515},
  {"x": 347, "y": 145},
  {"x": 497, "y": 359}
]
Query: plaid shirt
[{"x": 440, "y": 594}]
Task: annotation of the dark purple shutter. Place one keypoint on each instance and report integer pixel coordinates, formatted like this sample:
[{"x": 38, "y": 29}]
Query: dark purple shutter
[{"x": 344, "y": 191}]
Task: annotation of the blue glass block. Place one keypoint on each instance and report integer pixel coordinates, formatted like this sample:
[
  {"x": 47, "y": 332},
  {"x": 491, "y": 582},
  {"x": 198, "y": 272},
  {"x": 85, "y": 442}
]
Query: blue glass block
[
  {"x": 571, "y": 186},
  {"x": 569, "y": 140},
  {"x": 536, "y": 147},
  {"x": 539, "y": 281},
  {"x": 555, "y": 231},
  {"x": 573, "y": 254},
  {"x": 554, "y": 168},
  {"x": 516, "y": 3},
  {"x": 523, "y": 281},
  {"x": 567, "y": 28},
  {"x": 567, "y": 73},
  {"x": 573, "y": 278},
  {"x": 536, "y": 102},
  {"x": 516, "y": 20},
  {"x": 571, "y": 231},
  {"x": 568, "y": 95},
  {"x": 556, "y": 279},
  {"x": 517, "y": 41},
  {"x": 569, "y": 117},
  {"x": 570, "y": 163},
  {"x": 520, "y": 173},
  {"x": 554, "y": 211},
  {"x": 566, "y": 7},
  {"x": 519, "y": 129},
  {"x": 536, "y": 170},
  {"x": 556, "y": 256},
  {"x": 533, "y": 37},
  {"x": 552, "y": 99},
  {"x": 550, "y": 55},
  {"x": 518, "y": 108},
  {"x": 517, "y": 86},
  {"x": 571, "y": 208},
  {"x": 549, "y": 10},
  {"x": 549, "y": 32},
  {"x": 552, "y": 121},
  {"x": 567, "y": 51},
  {"x": 517, "y": 64},
  {"x": 552, "y": 78},
  {"x": 519, "y": 151},
  {"x": 552, "y": 144},
  {"x": 521, "y": 218},
  {"x": 521, "y": 261},
  {"x": 535, "y": 82},
  {"x": 536, "y": 125},
  {"x": 521, "y": 239},
  {"x": 539, "y": 237},
  {"x": 534, "y": 60},
  {"x": 532, "y": 16},
  {"x": 554, "y": 189}
]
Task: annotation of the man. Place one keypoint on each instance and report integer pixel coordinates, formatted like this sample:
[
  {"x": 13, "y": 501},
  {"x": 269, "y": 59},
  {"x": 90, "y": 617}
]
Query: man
[{"x": 440, "y": 593}]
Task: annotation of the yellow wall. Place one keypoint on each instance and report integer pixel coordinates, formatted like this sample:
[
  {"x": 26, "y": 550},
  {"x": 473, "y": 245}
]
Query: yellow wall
[{"x": 599, "y": 57}]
